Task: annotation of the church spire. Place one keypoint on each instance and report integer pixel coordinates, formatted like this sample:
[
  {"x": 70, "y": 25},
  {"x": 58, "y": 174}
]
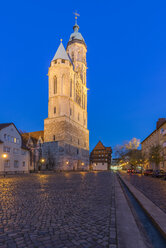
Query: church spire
[
  {"x": 76, "y": 27},
  {"x": 61, "y": 53}
]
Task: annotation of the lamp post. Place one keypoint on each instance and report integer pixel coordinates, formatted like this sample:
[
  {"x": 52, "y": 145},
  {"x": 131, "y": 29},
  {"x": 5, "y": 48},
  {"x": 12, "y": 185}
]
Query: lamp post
[
  {"x": 4, "y": 156},
  {"x": 42, "y": 160}
]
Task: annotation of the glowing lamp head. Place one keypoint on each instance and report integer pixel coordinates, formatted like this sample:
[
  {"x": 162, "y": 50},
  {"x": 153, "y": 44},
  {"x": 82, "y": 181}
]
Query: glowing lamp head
[
  {"x": 4, "y": 155},
  {"x": 42, "y": 160},
  {"x": 67, "y": 162},
  {"x": 82, "y": 163}
]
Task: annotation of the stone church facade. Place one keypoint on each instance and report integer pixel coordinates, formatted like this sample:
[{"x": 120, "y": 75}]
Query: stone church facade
[{"x": 66, "y": 137}]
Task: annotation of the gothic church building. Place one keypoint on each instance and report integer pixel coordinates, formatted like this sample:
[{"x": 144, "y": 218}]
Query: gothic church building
[{"x": 66, "y": 137}]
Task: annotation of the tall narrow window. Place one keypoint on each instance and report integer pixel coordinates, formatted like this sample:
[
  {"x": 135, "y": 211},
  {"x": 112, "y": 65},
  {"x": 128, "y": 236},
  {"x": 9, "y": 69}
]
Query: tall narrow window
[
  {"x": 53, "y": 137},
  {"x": 54, "y": 110},
  {"x": 72, "y": 56},
  {"x": 62, "y": 84},
  {"x": 71, "y": 88},
  {"x": 55, "y": 85}
]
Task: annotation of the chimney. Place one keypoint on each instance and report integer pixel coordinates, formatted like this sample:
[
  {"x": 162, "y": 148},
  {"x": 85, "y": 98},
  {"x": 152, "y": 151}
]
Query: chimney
[{"x": 160, "y": 122}]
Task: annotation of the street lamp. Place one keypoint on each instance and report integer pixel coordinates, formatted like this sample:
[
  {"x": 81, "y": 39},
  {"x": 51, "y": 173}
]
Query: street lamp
[
  {"x": 4, "y": 156},
  {"x": 42, "y": 160},
  {"x": 67, "y": 162}
]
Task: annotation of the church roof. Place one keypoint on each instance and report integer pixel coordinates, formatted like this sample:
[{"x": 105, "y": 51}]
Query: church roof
[
  {"x": 61, "y": 53},
  {"x": 76, "y": 36},
  {"x": 99, "y": 146},
  {"x": 3, "y": 125}
]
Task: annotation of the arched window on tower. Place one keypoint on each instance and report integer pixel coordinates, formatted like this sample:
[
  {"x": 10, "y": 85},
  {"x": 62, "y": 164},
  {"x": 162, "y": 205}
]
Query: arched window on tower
[
  {"x": 55, "y": 85},
  {"x": 79, "y": 56},
  {"x": 62, "y": 84},
  {"x": 71, "y": 87},
  {"x": 72, "y": 56}
]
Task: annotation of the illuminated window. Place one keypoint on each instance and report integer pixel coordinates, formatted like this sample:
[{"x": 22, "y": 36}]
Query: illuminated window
[{"x": 15, "y": 140}]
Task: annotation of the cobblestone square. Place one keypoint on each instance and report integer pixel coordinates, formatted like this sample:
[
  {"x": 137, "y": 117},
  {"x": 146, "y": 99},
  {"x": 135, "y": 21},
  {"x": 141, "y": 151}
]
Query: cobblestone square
[{"x": 58, "y": 210}]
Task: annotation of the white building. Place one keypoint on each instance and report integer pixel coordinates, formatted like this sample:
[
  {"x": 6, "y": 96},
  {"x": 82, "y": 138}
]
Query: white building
[{"x": 14, "y": 157}]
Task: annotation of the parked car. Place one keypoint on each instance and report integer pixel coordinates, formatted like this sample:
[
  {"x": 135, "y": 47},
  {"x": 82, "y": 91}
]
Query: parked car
[
  {"x": 148, "y": 172},
  {"x": 130, "y": 171},
  {"x": 158, "y": 173}
]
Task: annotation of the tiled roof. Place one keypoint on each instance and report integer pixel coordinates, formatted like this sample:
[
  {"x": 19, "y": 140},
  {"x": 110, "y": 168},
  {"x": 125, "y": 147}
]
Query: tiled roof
[
  {"x": 33, "y": 135},
  {"x": 37, "y": 134},
  {"x": 153, "y": 131},
  {"x": 3, "y": 125},
  {"x": 99, "y": 146}
]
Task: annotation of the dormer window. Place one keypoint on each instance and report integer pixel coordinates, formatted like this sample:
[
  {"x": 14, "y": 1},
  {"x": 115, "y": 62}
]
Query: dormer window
[
  {"x": 63, "y": 61},
  {"x": 55, "y": 61}
]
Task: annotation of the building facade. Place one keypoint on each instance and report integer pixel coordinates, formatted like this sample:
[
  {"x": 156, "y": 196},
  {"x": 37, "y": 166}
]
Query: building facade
[
  {"x": 157, "y": 137},
  {"x": 33, "y": 141},
  {"x": 100, "y": 157},
  {"x": 14, "y": 157},
  {"x": 66, "y": 137}
]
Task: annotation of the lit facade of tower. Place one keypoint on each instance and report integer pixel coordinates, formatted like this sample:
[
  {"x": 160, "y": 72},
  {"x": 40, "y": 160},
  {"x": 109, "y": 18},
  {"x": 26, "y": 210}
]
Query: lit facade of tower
[{"x": 66, "y": 137}]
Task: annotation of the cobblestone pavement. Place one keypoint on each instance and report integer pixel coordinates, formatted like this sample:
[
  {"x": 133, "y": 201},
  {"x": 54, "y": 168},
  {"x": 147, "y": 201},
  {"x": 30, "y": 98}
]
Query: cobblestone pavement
[
  {"x": 153, "y": 188},
  {"x": 58, "y": 210}
]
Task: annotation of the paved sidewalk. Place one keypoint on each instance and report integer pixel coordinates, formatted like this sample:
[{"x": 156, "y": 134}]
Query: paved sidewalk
[
  {"x": 153, "y": 188},
  {"x": 58, "y": 210}
]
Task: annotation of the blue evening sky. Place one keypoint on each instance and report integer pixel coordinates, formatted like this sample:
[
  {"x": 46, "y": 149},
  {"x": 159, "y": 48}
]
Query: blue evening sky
[{"x": 126, "y": 58}]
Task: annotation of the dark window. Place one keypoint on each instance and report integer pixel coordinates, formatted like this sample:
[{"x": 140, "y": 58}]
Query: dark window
[
  {"x": 70, "y": 111},
  {"x": 63, "y": 61},
  {"x": 54, "y": 110},
  {"x": 53, "y": 137},
  {"x": 78, "y": 141},
  {"x": 77, "y": 151}
]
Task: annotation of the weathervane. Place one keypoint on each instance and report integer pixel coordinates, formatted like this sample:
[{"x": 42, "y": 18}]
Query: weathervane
[{"x": 76, "y": 16}]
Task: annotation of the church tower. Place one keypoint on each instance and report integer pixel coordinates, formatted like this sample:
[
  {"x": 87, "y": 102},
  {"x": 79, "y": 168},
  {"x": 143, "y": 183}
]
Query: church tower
[{"x": 66, "y": 137}]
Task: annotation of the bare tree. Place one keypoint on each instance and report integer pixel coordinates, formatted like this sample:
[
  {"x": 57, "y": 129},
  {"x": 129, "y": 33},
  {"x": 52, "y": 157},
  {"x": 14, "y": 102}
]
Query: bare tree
[{"x": 129, "y": 154}]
